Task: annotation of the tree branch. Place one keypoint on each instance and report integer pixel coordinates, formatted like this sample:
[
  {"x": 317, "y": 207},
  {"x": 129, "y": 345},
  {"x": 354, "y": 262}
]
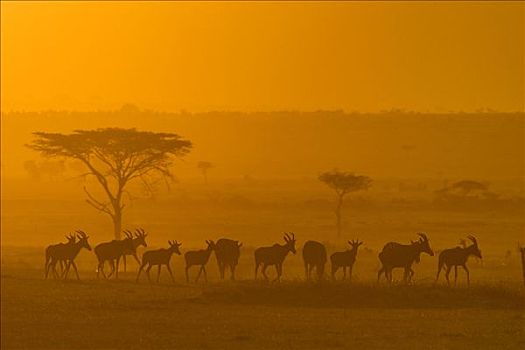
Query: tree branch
[
  {"x": 96, "y": 203},
  {"x": 103, "y": 181}
]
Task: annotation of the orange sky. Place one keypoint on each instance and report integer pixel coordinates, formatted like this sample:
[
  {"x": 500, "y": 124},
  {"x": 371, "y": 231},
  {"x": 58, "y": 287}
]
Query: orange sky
[{"x": 262, "y": 56}]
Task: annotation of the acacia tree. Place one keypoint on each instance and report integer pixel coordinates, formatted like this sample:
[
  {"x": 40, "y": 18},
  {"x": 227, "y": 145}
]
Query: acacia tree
[
  {"x": 343, "y": 183},
  {"x": 114, "y": 157}
]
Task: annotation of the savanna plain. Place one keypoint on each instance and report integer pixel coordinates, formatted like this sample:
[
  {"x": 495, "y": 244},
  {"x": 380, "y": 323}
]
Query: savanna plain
[{"x": 256, "y": 209}]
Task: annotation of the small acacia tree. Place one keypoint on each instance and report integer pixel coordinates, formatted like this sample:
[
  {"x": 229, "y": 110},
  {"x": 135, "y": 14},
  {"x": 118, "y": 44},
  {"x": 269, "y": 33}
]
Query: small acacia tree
[
  {"x": 114, "y": 157},
  {"x": 204, "y": 166},
  {"x": 343, "y": 183}
]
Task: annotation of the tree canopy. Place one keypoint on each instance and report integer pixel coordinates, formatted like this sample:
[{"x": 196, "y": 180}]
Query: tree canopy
[
  {"x": 114, "y": 156},
  {"x": 344, "y": 182}
]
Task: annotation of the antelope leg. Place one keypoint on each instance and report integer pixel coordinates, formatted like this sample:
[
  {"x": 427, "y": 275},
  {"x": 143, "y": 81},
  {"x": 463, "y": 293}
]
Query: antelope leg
[
  {"x": 448, "y": 273},
  {"x": 147, "y": 272},
  {"x": 112, "y": 264},
  {"x": 468, "y": 274},
  {"x": 75, "y": 267},
  {"x": 123, "y": 261},
  {"x": 187, "y": 274},
  {"x": 171, "y": 273},
  {"x": 379, "y": 273},
  {"x": 140, "y": 270},
  {"x": 264, "y": 271},
  {"x": 116, "y": 270},
  {"x": 199, "y": 275}
]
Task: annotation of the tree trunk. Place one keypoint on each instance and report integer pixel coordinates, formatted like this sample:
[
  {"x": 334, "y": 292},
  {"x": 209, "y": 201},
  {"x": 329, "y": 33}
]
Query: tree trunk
[
  {"x": 338, "y": 215},
  {"x": 117, "y": 223}
]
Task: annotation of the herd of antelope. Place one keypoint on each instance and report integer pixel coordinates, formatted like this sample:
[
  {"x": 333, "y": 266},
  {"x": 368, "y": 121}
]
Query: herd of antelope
[{"x": 227, "y": 251}]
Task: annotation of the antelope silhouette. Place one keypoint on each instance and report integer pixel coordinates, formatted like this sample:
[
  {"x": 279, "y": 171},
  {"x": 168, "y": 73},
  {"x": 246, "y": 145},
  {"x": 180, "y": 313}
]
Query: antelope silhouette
[
  {"x": 314, "y": 255},
  {"x": 458, "y": 256},
  {"x": 53, "y": 250},
  {"x": 139, "y": 239},
  {"x": 345, "y": 259},
  {"x": 227, "y": 252},
  {"x": 112, "y": 252},
  {"x": 158, "y": 258},
  {"x": 403, "y": 255},
  {"x": 68, "y": 252},
  {"x": 274, "y": 255},
  {"x": 200, "y": 258}
]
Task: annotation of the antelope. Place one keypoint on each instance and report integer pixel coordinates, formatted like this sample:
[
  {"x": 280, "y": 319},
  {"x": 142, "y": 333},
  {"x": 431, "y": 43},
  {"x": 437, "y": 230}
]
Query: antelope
[
  {"x": 274, "y": 255},
  {"x": 112, "y": 252},
  {"x": 198, "y": 257},
  {"x": 403, "y": 255},
  {"x": 138, "y": 240},
  {"x": 158, "y": 258},
  {"x": 345, "y": 259},
  {"x": 227, "y": 252},
  {"x": 314, "y": 255},
  {"x": 458, "y": 256},
  {"x": 52, "y": 251},
  {"x": 68, "y": 252}
]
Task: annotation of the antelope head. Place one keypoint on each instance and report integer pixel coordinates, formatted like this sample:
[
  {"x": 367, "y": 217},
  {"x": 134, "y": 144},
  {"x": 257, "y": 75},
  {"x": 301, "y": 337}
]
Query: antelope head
[
  {"x": 128, "y": 234},
  {"x": 290, "y": 242},
  {"x": 355, "y": 244},
  {"x": 424, "y": 244},
  {"x": 211, "y": 245},
  {"x": 128, "y": 241},
  {"x": 475, "y": 250},
  {"x": 71, "y": 238},
  {"x": 140, "y": 237},
  {"x": 174, "y": 247},
  {"x": 83, "y": 239}
]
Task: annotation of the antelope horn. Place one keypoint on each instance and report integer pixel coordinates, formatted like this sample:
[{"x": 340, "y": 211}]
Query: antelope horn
[
  {"x": 424, "y": 236},
  {"x": 293, "y": 236},
  {"x": 473, "y": 239}
]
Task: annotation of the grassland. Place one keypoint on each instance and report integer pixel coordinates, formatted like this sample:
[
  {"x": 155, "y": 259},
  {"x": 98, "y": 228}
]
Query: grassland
[
  {"x": 48, "y": 314},
  {"x": 246, "y": 314}
]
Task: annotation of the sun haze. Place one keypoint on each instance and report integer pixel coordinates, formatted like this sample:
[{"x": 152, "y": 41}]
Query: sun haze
[
  {"x": 263, "y": 56},
  {"x": 304, "y": 175}
]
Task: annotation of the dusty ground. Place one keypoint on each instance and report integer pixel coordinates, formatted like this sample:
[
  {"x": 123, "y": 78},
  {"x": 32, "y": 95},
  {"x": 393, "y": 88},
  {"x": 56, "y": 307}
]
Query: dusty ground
[
  {"x": 48, "y": 314},
  {"x": 36, "y": 313}
]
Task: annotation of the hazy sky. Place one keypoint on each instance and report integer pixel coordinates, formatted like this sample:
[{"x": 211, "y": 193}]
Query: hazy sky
[{"x": 262, "y": 56}]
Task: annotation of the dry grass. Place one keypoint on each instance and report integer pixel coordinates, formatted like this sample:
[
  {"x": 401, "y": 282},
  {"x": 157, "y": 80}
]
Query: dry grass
[{"x": 48, "y": 314}]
